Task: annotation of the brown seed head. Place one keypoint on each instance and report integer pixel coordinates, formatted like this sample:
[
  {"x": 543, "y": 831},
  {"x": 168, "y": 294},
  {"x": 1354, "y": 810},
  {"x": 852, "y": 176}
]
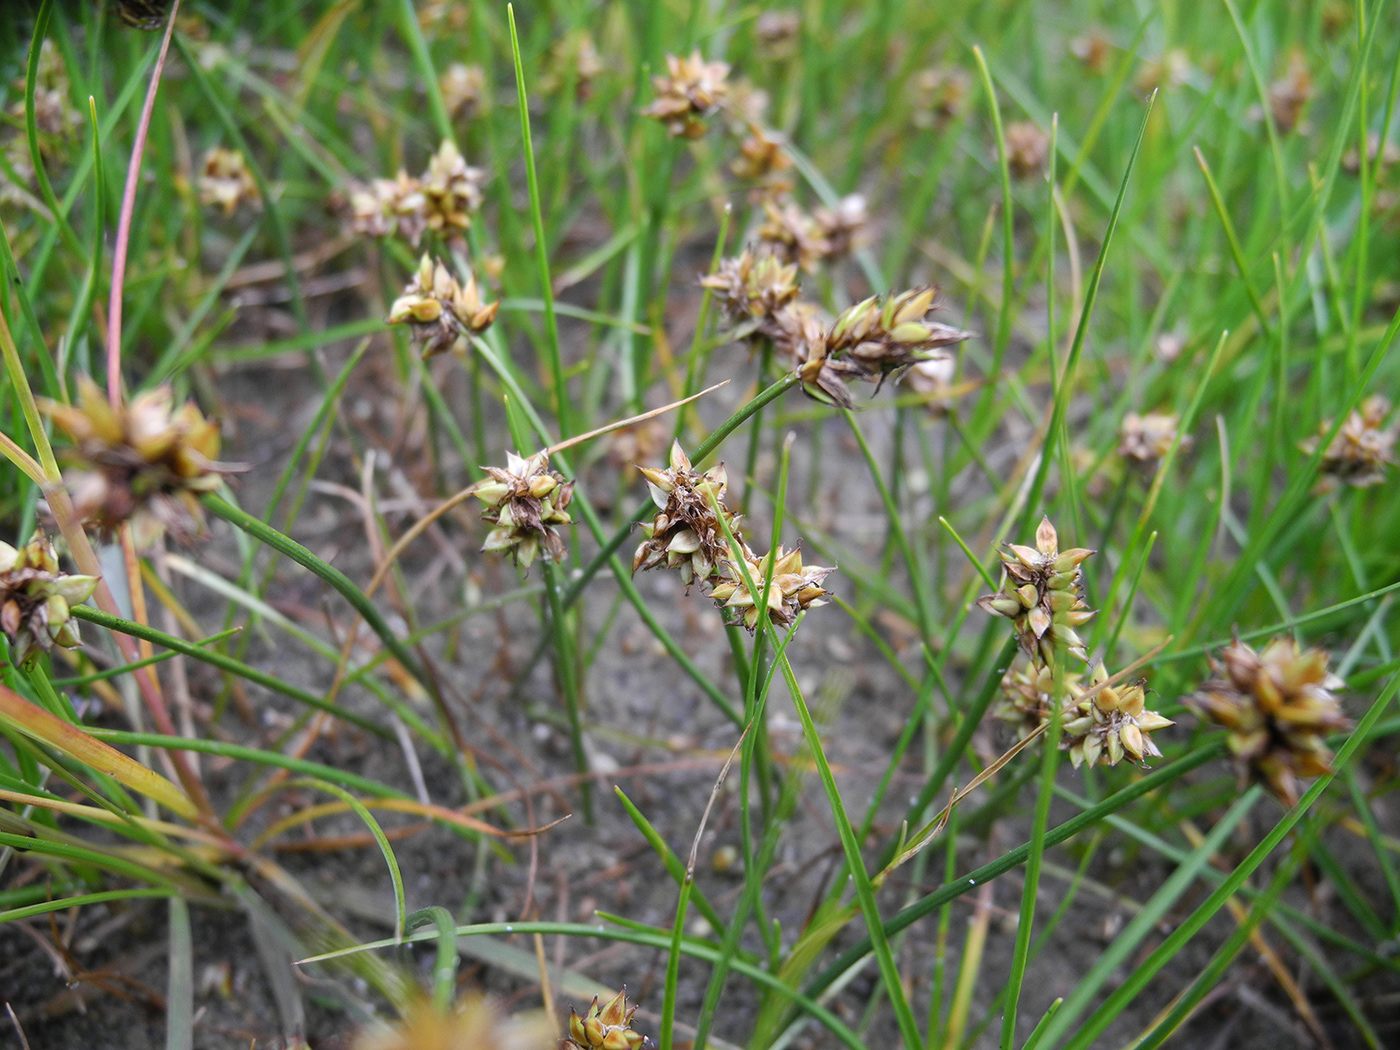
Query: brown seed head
[
  {"x": 225, "y": 180},
  {"x": 753, "y": 288},
  {"x": 36, "y": 599},
  {"x": 462, "y": 86},
  {"x": 451, "y": 190},
  {"x": 880, "y": 340},
  {"x": 605, "y": 1028},
  {"x": 793, "y": 588},
  {"x": 1144, "y": 440},
  {"x": 1027, "y": 147},
  {"x": 792, "y": 235},
  {"x": 1278, "y": 706},
  {"x": 777, "y": 33},
  {"x": 939, "y": 95},
  {"x": 144, "y": 461},
  {"x": 1111, "y": 725},
  {"x": 524, "y": 502},
  {"x": 763, "y": 159},
  {"x": 1289, "y": 94},
  {"x": 1362, "y": 450},
  {"x": 441, "y": 311},
  {"x": 389, "y": 207},
  {"x": 1040, "y": 594},
  {"x": 844, "y": 227},
  {"x": 686, "y": 533},
  {"x": 691, "y": 90}
]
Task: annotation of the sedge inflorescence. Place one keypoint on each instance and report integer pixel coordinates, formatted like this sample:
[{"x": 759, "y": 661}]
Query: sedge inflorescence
[
  {"x": 1041, "y": 593},
  {"x": 691, "y": 533}
]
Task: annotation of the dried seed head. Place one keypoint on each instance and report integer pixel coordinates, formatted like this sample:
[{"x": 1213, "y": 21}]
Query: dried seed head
[
  {"x": 224, "y": 179},
  {"x": 462, "y": 86},
  {"x": 793, "y": 588},
  {"x": 1110, "y": 725},
  {"x": 1091, "y": 51},
  {"x": 793, "y": 235},
  {"x": 777, "y": 33},
  {"x": 144, "y": 461},
  {"x": 763, "y": 159},
  {"x": 389, "y": 207},
  {"x": 574, "y": 57},
  {"x": 1040, "y": 594},
  {"x": 939, "y": 94},
  {"x": 1289, "y": 94},
  {"x": 880, "y": 340},
  {"x": 1027, "y": 147},
  {"x": 605, "y": 1028},
  {"x": 1278, "y": 707},
  {"x": 451, "y": 190},
  {"x": 1144, "y": 440},
  {"x": 524, "y": 502},
  {"x": 753, "y": 288},
  {"x": 1361, "y": 451},
  {"x": 441, "y": 311},
  {"x": 1025, "y": 698},
  {"x": 475, "y": 1023},
  {"x": 36, "y": 599},
  {"x": 686, "y": 533},
  {"x": 844, "y": 227},
  {"x": 691, "y": 90},
  {"x": 797, "y": 333}
]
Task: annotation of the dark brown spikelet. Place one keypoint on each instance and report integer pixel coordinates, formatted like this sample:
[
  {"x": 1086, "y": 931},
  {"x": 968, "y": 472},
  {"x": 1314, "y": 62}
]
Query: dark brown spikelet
[{"x": 143, "y": 14}]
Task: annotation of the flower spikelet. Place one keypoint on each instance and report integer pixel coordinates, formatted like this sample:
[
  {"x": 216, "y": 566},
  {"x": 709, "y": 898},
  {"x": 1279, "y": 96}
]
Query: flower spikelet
[
  {"x": 451, "y": 190},
  {"x": 608, "y": 1027},
  {"x": 1040, "y": 594},
  {"x": 475, "y": 1023},
  {"x": 144, "y": 461},
  {"x": 686, "y": 533},
  {"x": 462, "y": 87},
  {"x": 793, "y": 235},
  {"x": 1025, "y": 702},
  {"x": 884, "y": 340},
  {"x": 1278, "y": 705},
  {"x": 226, "y": 181},
  {"x": 753, "y": 288},
  {"x": 793, "y": 589},
  {"x": 1361, "y": 451},
  {"x": 440, "y": 310},
  {"x": 36, "y": 598},
  {"x": 691, "y": 90},
  {"x": 1144, "y": 440},
  {"x": 524, "y": 502},
  {"x": 797, "y": 333},
  {"x": 1108, "y": 725},
  {"x": 390, "y": 207},
  {"x": 763, "y": 158}
]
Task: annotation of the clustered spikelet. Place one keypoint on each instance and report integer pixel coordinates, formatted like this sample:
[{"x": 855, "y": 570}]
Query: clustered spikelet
[
  {"x": 691, "y": 90},
  {"x": 752, "y": 289},
  {"x": 573, "y": 57},
  {"x": 524, "y": 502},
  {"x": 1107, "y": 724},
  {"x": 224, "y": 180},
  {"x": 441, "y": 311},
  {"x": 1027, "y": 148},
  {"x": 1362, "y": 450},
  {"x": 443, "y": 199},
  {"x": 763, "y": 159},
  {"x": 843, "y": 227},
  {"x": 1278, "y": 705},
  {"x": 792, "y": 589},
  {"x": 884, "y": 339},
  {"x": 1144, "y": 439},
  {"x": 608, "y": 1027},
  {"x": 1041, "y": 594},
  {"x": 389, "y": 208},
  {"x": 792, "y": 235},
  {"x": 1290, "y": 94},
  {"x": 144, "y": 461},
  {"x": 939, "y": 94},
  {"x": 36, "y": 599},
  {"x": 686, "y": 533},
  {"x": 451, "y": 190},
  {"x": 462, "y": 86},
  {"x": 777, "y": 33},
  {"x": 475, "y": 1023}
]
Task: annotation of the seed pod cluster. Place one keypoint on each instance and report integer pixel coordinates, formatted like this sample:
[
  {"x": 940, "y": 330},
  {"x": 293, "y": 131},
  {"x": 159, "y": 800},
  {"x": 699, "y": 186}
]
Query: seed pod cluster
[
  {"x": 36, "y": 600},
  {"x": 608, "y": 1027},
  {"x": 440, "y": 310},
  {"x": 1278, "y": 706},
  {"x": 524, "y": 502}
]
